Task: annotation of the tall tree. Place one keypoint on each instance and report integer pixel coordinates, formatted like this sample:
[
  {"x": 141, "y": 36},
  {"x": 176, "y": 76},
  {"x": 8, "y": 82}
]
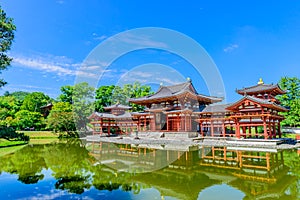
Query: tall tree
[
  {"x": 7, "y": 29},
  {"x": 25, "y": 118},
  {"x": 103, "y": 97},
  {"x": 128, "y": 91},
  {"x": 34, "y": 101},
  {"x": 290, "y": 100},
  {"x": 83, "y": 104},
  {"x": 108, "y": 95},
  {"x": 61, "y": 118},
  {"x": 67, "y": 93}
]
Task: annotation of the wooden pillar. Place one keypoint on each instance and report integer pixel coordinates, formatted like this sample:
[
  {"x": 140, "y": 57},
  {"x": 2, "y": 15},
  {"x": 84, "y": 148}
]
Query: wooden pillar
[
  {"x": 270, "y": 129},
  {"x": 201, "y": 128},
  {"x": 268, "y": 161},
  {"x": 279, "y": 129},
  {"x": 167, "y": 122},
  {"x": 256, "y": 131},
  {"x": 244, "y": 131},
  {"x": 237, "y": 129},
  {"x": 101, "y": 126},
  {"x": 153, "y": 123},
  {"x": 177, "y": 122},
  {"x": 274, "y": 129},
  {"x": 223, "y": 129},
  {"x": 265, "y": 128},
  {"x": 145, "y": 124},
  {"x": 185, "y": 122},
  {"x": 212, "y": 128},
  {"x": 139, "y": 123},
  {"x": 249, "y": 131},
  {"x": 108, "y": 131}
]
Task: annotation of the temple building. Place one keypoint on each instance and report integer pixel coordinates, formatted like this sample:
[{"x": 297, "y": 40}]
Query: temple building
[{"x": 181, "y": 109}]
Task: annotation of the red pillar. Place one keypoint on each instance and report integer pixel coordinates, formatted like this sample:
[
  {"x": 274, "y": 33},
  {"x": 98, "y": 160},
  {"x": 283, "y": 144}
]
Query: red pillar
[
  {"x": 223, "y": 129},
  {"x": 279, "y": 129},
  {"x": 178, "y": 124},
  {"x": 212, "y": 128},
  {"x": 108, "y": 127},
  {"x": 167, "y": 122},
  {"x": 265, "y": 128},
  {"x": 237, "y": 129},
  {"x": 201, "y": 128},
  {"x": 145, "y": 125}
]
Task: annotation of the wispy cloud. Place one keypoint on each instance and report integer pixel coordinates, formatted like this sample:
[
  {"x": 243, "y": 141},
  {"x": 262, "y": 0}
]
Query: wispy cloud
[
  {"x": 141, "y": 40},
  {"x": 99, "y": 37},
  {"x": 59, "y": 65},
  {"x": 42, "y": 65},
  {"x": 169, "y": 81},
  {"x": 230, "y": 48}
]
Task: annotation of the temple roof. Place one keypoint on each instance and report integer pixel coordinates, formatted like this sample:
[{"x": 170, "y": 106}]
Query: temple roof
[
  {"x": 261, "y": 88},
  {"x": 265, "y": 102},
  {"x": 174, "y": 92},
  {"x": 117, "y": 106},
  {"x": 111, "y": 116},
  {"x": 216, "y": 108}
]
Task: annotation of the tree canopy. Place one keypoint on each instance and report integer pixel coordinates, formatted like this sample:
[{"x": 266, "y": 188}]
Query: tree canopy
[
  {"x": 291, "y": 100},
  {"x": 61, "y": 118},
  {"x": 7, "y": 29},
  {"x": 108, "y": 95}
]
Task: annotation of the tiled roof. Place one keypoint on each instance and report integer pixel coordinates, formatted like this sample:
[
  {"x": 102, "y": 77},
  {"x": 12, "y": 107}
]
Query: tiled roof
[
  {"x": 117, "y": 106},
  {"x": 216, "y": 108},
  {"x": 266, "y": 102},
  {"x": 173, "y": 92},
  {"x": 261, "y": 88},
  {"x": 108, "y": 115}
]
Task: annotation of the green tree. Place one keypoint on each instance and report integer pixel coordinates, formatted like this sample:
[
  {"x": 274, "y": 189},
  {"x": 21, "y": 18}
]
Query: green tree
[
  {"x": 33, "y": 101},
  {"x": 61, "y": 118},
  {"x": 67, "y": 93},
  {"x": 128, "y": 91},
  {"x": 7, "y": 29},
  {"x": 83, "y": 104},
  {"x": 25, "y": 118},
  {"x": 103, "y": 97},
  {"x": 290, "y": 100},
  {"x": 108, "y": 95},
  {"x": 8, "y": 108},
  {"x": 19, "y": 95}
]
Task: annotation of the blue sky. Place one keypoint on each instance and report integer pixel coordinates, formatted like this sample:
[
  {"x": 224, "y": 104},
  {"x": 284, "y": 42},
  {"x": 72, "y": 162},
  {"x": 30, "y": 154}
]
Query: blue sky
[{"x": 245, "y": 39}]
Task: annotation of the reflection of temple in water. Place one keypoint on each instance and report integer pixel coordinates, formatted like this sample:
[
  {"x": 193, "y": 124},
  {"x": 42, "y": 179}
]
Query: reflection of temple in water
[{"x": 184, "y": 173}]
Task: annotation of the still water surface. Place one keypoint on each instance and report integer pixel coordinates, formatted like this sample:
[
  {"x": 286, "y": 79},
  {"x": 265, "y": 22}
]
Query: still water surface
[{"x": 76, "y": 170}]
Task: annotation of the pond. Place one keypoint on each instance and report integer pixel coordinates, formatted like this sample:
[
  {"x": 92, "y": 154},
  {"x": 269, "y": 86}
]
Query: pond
[{"x": 73, "y": 169}]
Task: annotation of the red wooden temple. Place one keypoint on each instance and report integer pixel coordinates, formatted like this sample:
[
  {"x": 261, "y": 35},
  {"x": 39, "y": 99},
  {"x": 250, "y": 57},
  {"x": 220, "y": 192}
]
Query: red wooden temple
[{"x": 180, "y": 109}]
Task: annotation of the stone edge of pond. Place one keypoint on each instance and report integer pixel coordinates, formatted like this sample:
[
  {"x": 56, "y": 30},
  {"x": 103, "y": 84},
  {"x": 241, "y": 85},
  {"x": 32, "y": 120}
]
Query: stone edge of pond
[{"x": 194, "y": 141}]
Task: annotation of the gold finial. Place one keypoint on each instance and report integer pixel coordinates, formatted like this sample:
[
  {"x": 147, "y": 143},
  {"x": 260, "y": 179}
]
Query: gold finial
[
  {"x": 161, "y": 84},
  {"x": 188, "y": 79},
  {"x": 260, "y": 81}
]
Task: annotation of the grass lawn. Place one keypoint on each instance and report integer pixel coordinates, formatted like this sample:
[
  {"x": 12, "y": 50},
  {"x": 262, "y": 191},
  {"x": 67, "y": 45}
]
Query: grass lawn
[{"x": 40, "y": 134}]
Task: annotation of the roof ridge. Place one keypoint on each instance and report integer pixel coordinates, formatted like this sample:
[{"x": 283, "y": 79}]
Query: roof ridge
[{"x": 250, "y": 87}]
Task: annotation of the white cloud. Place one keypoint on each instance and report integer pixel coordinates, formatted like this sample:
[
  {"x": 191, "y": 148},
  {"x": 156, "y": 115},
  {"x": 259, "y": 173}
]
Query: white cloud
[
  {"x": 230, "y": 48},
  {"x": 169, "y": 81},
  {"x": 42, "y": 65},
  {"x": 60, "y": 65},
  {"x": 141, "y": 40}
]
